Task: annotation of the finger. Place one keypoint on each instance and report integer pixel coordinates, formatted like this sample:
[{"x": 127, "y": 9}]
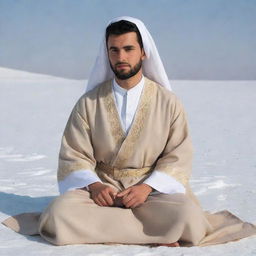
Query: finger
[
  {"x": 127, "y": 198},
  {"x": 97, "y": 202},
  {"x": 102, "y": 200},
  {"x": 131, "y": 203},
  {"x": 113, "y": 194},
  {"x": 107, "y": 198},
  {"x": 124, "y": 192}
]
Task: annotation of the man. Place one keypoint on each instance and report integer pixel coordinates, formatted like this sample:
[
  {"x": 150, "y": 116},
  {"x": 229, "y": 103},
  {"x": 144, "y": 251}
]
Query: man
[{"x": 125, "y": 157}]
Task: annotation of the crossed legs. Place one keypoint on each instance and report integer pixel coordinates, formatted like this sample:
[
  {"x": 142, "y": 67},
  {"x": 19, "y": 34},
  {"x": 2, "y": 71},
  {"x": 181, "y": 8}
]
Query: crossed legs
[{"x": 73, "y": 218}]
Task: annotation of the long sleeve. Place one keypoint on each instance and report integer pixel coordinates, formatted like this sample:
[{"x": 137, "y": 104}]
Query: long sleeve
[
  {"x": 77, "y": 179},
  {"x": 164, "y": 183},
  {"x": 176, "y": 159},
  {"x": 76, "y": 157}
]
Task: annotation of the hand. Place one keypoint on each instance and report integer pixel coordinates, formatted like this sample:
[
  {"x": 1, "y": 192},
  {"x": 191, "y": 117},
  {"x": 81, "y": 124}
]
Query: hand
[
  {"x": 135, "y": 195},
  {"x": 101, "y": 194}
]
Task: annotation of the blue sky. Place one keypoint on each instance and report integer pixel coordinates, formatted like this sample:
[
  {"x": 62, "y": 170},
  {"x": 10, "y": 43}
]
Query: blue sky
[{"x": 197, "y": 39}]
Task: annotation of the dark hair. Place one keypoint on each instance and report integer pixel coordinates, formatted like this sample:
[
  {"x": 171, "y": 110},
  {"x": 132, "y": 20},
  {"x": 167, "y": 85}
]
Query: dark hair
[{"x": 122, "y": 27}]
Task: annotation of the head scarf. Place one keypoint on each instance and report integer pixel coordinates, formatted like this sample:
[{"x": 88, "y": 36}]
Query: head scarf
[{"x": 152, "y": 65}]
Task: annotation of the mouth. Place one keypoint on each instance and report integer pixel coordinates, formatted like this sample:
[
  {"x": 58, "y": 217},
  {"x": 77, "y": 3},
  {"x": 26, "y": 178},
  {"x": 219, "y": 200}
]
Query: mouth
[{"x": 121, "y": 66}]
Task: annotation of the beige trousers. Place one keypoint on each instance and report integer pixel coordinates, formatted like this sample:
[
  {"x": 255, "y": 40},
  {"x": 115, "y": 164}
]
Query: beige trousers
[{"x": 74, "y": 218}]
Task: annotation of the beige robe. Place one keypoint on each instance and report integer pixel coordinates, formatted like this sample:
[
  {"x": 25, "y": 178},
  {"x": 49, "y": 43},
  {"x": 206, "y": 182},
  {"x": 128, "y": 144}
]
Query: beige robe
[{"x": 158, "y": 140}]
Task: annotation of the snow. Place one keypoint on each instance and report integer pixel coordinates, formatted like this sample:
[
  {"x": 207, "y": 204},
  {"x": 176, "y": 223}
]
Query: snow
[
  {"x": 34, "y": 111},
  {"x": 13, "y": 74}
]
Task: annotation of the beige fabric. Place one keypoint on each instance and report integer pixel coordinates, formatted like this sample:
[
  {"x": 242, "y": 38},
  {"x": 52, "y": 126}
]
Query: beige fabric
[
  {"x": 25, "y": 223},
  {"x": 119, "y": 173},
  {"x": 227, "y": 227},
  {"x": 94, "y": 134},
  {"x": 158, "y": 139},
  {"x": 74, "y": 218}
]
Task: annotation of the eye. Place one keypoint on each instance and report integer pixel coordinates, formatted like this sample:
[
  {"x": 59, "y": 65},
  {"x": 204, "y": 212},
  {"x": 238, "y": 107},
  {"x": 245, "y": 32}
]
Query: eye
[
  {"x": 129, "y": 48},
  {"x": 113, "y": 50}
]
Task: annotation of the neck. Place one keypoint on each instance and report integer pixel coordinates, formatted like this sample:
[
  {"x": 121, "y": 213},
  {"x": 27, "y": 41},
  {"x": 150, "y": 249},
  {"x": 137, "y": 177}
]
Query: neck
[{"x": 130, "y": 82}]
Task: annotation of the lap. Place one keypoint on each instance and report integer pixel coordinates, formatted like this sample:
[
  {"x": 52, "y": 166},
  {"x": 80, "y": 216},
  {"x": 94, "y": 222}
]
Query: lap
[
  {"x": 164, "y": 204},
  {"x": 81, "y": 198},
  {"x": 161, "y": 218}
]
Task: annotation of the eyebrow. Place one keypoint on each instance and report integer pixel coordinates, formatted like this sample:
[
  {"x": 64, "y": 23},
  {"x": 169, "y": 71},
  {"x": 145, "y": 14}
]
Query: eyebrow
[
  {"x": 113, "y": 48},
  {"x": 124, "y": 47},
  {"x": 129, "y": 47}
]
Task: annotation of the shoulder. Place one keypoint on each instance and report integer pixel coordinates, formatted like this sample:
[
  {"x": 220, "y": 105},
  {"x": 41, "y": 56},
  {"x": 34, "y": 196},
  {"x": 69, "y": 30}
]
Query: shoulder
[
  {"x": 93, "y": 94},
  {"x": 162, "y": 94},
  {"x": 99, "y": 89},
  {"x": 166, "y": 100},
  {"x": 89, "y": 99}
]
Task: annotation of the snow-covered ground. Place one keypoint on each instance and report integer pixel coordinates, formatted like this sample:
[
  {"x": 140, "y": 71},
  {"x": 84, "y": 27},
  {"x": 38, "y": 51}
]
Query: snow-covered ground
[{"x": 33, "y": 112}]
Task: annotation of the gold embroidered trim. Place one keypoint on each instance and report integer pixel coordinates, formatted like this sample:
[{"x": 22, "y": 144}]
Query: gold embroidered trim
[
  {"x": 121, "y": 173},
  {"x": 67, "y": 168},
  {"x": 113, "y": 117},
  {"x": 138, "y": 123},
  {"x": 177, "y": 173}
]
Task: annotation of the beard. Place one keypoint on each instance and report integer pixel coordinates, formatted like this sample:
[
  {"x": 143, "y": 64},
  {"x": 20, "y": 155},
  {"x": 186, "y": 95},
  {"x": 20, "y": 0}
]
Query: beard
[{"x": 123, "y": 75}]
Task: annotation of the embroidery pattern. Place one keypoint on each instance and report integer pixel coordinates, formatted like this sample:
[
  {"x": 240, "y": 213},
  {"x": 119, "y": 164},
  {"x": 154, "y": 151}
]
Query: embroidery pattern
[
  {"x": 67, "y": 168},
  {"x": 113, "y": 117},
  {"x": 137, "y": 125},
  {"x": 121, "y": 173},
  {"x": 177, "y": 173}
]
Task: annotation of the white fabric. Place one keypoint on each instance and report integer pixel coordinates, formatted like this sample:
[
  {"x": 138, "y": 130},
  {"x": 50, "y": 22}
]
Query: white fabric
[
  {"x": 164, "y": 183},
  {"x": 152, "y": 65},
  {"x": 127, "y": 100},
  {"x": 159, "y": 181},
  {"x": 77, "y": 179}
]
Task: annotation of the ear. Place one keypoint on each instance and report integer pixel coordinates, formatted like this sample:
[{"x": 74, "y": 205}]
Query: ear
[{"x": 143, "y": 55}]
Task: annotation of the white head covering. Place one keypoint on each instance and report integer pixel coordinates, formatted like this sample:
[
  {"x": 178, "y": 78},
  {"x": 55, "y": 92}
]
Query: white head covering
[{"x": 152, "y": 65}]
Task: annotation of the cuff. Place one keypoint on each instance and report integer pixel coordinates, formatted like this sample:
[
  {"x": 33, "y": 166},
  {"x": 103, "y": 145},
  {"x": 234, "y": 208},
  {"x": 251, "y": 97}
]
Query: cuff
[
  {"x": 77, "y": 179},
  {"x": 164, "y": 183}
]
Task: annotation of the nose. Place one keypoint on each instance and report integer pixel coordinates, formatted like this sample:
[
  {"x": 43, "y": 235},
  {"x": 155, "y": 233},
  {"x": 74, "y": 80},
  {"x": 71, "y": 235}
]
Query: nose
[{"x": 121, "y": 55}]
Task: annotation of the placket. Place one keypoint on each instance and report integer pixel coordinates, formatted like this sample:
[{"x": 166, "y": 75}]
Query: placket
[
  {"x": 124, "y": 112},
  {"x": 129, "y": 111}
]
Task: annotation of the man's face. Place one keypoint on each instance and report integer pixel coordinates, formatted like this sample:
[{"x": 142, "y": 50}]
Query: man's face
[{"x": 125, "y": 55}]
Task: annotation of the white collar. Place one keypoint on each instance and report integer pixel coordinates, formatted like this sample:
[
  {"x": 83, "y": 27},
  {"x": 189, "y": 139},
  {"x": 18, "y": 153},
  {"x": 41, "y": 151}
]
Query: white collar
[{"x": 134, "y": 90}]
